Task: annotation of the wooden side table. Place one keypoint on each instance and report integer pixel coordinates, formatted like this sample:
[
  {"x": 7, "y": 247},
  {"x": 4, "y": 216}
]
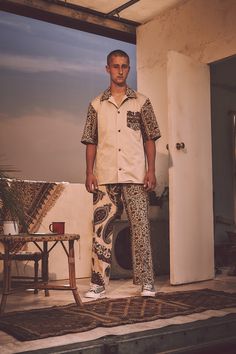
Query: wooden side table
[{"x": 45, "y": 251}]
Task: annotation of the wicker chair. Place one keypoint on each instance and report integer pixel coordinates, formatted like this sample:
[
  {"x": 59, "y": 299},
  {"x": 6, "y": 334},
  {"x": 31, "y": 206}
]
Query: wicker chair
[{"x": 27, "y": 256}]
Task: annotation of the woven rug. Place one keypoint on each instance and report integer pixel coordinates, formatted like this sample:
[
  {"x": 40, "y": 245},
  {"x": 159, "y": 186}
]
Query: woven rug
[
  {"x": 37, "y": 199},
  {"x": 60, "y": 320}
]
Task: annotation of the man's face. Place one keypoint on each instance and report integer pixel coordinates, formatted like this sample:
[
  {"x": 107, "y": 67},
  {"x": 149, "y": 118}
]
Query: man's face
[{"x": 118, "y": 69}]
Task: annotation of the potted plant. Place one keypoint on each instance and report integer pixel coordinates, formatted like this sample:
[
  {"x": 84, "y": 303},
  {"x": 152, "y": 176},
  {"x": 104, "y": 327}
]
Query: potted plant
[{"x": 11, "y": 206}]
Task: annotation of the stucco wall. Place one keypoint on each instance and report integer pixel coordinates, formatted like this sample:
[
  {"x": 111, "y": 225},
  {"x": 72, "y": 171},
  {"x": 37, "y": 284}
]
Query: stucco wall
[
  {"x": 75, "y": 208},
  {"x": 203, "y": 30}
]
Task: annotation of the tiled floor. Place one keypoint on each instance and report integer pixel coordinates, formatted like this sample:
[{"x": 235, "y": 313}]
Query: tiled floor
[{"x": 117, "y": 288}]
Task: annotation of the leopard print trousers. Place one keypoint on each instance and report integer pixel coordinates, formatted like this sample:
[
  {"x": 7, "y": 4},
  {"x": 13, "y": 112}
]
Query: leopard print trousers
[{"x": 108, "y": 205}]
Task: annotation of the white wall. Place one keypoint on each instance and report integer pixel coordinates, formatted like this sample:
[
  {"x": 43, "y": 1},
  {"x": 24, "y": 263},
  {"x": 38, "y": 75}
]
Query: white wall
[
  {"x": 203, "y": 30},
  {"x": 75, "y": 208}
]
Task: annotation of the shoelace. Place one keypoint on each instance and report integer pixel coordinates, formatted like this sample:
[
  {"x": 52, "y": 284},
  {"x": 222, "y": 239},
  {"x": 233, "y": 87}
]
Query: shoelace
[
  {"x": 96, "y": 288},
  {"x": 148, "y": 287}
]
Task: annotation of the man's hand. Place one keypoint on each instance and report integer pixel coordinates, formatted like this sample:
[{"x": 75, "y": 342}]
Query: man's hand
[
  {"x": 150, "y": 181},
  {"x": 150, "y": 178},
  {"x": 91, "y": 183}
]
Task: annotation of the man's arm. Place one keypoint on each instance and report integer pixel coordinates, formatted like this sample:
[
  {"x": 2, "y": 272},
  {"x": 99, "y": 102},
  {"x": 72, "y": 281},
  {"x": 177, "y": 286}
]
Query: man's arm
[
  {"x": 91, "y": 181},
  {"x": 150, "y": 178}
]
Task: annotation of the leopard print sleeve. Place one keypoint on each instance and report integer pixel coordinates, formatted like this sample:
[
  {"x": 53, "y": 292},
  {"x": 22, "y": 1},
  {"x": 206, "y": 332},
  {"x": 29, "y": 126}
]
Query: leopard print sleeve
[
  {"x": 90, "y": 134},
  {"x": 149, "y": 126}
]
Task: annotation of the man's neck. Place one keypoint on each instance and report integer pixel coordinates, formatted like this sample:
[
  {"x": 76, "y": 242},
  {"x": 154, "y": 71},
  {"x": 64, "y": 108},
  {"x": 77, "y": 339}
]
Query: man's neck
[{"x": 118, "y": 90}]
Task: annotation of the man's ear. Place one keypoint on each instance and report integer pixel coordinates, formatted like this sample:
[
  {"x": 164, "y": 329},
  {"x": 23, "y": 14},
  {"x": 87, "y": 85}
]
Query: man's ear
[{"x": 108, "y": 69}]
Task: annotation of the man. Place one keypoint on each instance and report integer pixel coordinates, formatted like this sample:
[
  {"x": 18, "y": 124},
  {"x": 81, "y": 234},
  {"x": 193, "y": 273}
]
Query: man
[{"x": 119, "y": 133}]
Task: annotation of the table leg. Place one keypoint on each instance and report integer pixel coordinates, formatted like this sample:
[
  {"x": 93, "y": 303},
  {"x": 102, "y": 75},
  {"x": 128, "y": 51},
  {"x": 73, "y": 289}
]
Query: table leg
[
  {"x": 72, "y": 278},
  {"x": 45, "y": 266},
  {"x": 36, "y": 271},
  {"x": 6, "y": 276}
]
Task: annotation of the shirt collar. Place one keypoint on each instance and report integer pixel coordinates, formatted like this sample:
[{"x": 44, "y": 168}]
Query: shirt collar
[{"x": 130, "y": 93}]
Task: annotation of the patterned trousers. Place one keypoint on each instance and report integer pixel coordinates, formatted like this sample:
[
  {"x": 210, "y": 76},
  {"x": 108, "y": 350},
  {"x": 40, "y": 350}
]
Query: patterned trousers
[{"x": 108, "y": 205}]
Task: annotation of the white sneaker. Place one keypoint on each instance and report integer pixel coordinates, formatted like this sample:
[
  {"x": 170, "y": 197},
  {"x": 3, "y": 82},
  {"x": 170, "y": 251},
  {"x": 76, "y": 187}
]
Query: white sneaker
[
  {"x": 95, "y": 291},
  {"x": 148, "y": 290}
]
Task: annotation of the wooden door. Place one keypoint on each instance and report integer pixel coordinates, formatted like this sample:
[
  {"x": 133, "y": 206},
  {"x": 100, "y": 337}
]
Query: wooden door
[{"x": 190, "y": 170}]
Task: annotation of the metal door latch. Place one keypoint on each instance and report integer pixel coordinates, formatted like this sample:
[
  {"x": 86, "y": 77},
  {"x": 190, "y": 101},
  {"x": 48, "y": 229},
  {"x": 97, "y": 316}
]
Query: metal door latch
[{"x": 180, "y": 146}]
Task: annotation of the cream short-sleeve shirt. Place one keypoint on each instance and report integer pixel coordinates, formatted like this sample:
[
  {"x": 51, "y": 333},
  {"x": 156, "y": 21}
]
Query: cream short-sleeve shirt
[{"x": 119, "y": 133}]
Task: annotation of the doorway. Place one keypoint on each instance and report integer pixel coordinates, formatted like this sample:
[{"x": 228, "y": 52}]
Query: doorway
[{"x": 223, "y": 111}]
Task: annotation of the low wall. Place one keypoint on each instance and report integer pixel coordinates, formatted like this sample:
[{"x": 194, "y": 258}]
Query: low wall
[{"x": 74, "y": 207}]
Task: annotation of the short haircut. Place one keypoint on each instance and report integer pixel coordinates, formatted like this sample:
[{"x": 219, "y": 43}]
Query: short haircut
[{"x": 117, "y": 53}]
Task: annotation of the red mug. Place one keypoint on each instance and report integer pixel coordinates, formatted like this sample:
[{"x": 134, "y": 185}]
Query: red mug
[{"x": 57, "y": 227}]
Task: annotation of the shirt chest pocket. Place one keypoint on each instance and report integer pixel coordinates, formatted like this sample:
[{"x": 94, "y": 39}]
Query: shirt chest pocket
[{"x": 134, "y": 120}]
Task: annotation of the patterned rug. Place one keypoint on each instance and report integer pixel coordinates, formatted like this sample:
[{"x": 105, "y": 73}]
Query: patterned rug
[
  {"x": 37, "y": 199},
  {"x": 60, "y": 320}
]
